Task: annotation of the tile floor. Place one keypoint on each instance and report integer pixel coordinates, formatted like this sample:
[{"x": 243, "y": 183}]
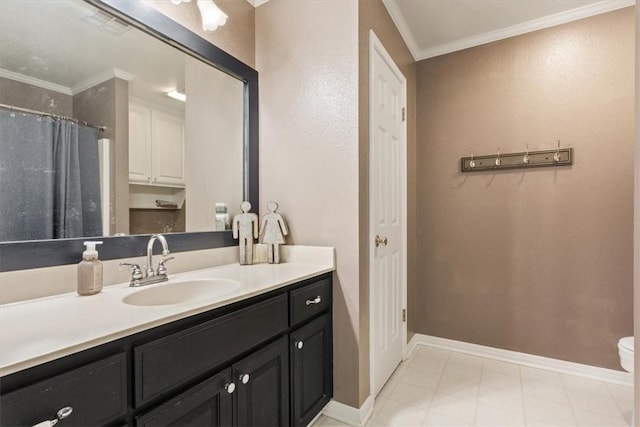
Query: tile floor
[{"x": 436, "y": 388}]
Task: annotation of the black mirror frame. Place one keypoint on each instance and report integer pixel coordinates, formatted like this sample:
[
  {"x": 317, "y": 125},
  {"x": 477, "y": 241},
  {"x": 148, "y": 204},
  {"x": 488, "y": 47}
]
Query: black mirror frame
[{"x": 46, "y": 253}]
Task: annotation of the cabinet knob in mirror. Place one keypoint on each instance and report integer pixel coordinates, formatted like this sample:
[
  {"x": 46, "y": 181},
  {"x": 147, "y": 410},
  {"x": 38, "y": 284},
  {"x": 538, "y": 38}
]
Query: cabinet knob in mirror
[
  {"x": 230, "y": 387},
  {"x": 299, "y": 345},
  {"x": 244, "y": 378}
]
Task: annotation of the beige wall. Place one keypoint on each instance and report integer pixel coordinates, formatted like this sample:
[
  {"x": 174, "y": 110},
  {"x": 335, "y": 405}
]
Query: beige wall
[
  {"x": 236, "y": 37},
  {"x": 214, "y": 124},
  {"x": 636, "y": 257},
  {"x": 373, "y": 15},
  {"x": 539, "y": 261},
  {"x": 307, "y": 57},
  {"x": 23, "y": 95}
]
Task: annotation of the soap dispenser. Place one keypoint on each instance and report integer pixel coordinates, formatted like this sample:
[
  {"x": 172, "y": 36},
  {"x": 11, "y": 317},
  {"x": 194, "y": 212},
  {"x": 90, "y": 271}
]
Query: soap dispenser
[{"x": 90, "y": 270}]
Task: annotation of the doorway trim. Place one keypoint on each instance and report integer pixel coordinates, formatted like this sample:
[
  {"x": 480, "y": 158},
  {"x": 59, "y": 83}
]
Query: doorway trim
[{"x": 377, "y": 48}]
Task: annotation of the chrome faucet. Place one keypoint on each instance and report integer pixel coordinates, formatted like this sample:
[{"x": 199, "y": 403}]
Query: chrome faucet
[
  {"x": 165, "y": 251},
  {"x": 149, "y": 276}
]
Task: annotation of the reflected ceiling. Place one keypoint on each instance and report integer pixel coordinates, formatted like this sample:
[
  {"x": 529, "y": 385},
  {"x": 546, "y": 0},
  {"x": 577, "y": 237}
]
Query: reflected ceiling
[{"x": 60, "y": 57}]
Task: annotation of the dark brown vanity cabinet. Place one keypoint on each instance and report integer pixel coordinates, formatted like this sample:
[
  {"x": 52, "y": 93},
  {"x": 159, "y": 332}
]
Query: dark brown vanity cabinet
[
  {"x": 264, "y": 361},
  {"x": 311, "y": 377},
  {"x": 253, "y": 392},
  {"x": 96, "y": 391},
  {"x": 209, "y": 403}
]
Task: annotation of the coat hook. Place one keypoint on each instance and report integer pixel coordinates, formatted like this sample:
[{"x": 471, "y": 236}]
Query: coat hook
[
  {"x": 525, "y": 160},
  {"x": 498, "y": 160},
  {"x": 556, "y": 156}
]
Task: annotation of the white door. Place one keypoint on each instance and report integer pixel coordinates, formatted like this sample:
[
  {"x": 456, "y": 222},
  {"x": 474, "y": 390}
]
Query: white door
[{"x": 387, "y": 202}]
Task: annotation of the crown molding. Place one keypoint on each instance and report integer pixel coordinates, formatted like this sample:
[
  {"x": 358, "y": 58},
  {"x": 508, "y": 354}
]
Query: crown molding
[
  {"x": 401, "y": 24},
  {"x": 504, "y": 33},
  {"x": 256, "y": 3},
  {"x": 100, "y": 78},
  {"x": 35, "y": 82}
]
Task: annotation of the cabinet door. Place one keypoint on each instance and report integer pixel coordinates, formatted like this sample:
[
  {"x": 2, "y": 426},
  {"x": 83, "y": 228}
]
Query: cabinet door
[
  {"x": 209, "y": 403},
  {"x": 168, "y": 148},
  {"x": 311, "y": 370},
  {"x": 139, "y": 143},
  {"x": 97, "y": 394},
  {"x": 263, "y": 387}
]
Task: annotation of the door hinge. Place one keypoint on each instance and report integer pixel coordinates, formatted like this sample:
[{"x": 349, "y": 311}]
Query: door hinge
[
  {"x": 404, "y": 314},
  {"x": 403, "y": 113}
]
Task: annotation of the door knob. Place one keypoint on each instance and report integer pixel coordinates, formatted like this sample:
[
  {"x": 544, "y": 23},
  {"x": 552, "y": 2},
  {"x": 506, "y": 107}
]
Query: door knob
[
  {"x": 299, "y": 345},
  {"x": 244, "y": 378},
  {"x": 380, "y": 241},
  {"x": 231, "y": 387}
]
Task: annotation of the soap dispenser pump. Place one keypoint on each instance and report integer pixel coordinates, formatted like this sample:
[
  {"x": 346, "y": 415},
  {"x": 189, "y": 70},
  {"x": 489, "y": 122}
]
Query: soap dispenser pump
[{"x": 90, "y": 270}]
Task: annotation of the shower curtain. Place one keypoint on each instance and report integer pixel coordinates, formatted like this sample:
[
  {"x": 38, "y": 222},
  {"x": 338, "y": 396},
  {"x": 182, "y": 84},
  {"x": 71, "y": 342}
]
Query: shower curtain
[{"x": 49, "y": 178}]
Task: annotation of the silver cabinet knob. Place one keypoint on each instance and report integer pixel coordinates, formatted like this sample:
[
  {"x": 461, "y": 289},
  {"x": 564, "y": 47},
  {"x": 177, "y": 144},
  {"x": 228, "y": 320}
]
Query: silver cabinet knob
[
  {"x": 244, "y": 378},
  {"x": 299, "y": 345},
  {"x": 60, "y": 415},
  {"x": 231, "y": 387},
  {"x": 316, "y": 300}
]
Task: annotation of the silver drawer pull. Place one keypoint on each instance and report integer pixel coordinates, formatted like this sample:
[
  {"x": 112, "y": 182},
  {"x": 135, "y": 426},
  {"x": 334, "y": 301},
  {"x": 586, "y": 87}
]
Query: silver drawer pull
[
  {"x": 299, "y": 345},
  {"x": 61, "y": 415},
  {"x": 317, "y": 300},
  {"x": 231, "y": 387},
  {"x": 244, "y": 378}
]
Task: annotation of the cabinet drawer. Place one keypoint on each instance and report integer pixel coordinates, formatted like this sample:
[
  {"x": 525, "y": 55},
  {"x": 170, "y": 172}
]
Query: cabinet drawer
[
  {"x": 179, "y": 357},
  {"x": 310, "y": 300},
  {"x": 96, "y": 392}
]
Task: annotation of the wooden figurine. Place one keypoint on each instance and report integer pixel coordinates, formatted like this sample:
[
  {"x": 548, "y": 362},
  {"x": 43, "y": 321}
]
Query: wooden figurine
[
  {"x": 245, "y": 227},
  {"x": 272, "y": 232}
]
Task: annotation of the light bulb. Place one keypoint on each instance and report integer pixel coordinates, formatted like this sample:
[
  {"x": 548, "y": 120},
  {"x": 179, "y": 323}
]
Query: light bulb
[{"x": 212, "y": 16}]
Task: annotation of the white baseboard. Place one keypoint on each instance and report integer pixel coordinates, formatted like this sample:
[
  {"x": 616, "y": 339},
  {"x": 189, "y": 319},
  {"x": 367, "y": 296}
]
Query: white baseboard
[
  {"x": 561, "y": 366},
  {"x": 348, "y": 414}
]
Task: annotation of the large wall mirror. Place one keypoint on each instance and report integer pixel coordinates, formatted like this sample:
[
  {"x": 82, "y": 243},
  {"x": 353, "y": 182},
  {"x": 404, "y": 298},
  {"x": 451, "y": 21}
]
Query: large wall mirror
[{"x": 95, "y": 144}]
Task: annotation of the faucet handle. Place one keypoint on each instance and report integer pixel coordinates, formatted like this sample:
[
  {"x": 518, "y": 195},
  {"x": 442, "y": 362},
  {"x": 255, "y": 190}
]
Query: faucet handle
[
  {"x": 136, "y": 271},
  {"x": 162, "y": 269}
]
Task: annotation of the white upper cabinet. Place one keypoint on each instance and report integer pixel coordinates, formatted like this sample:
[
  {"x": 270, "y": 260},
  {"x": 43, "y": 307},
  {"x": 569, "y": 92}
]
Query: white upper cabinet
[{"x": 156, "y": 145}]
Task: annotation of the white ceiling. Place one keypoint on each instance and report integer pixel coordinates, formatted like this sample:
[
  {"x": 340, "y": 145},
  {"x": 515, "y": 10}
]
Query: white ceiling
[{"x": 435, "y": 27}]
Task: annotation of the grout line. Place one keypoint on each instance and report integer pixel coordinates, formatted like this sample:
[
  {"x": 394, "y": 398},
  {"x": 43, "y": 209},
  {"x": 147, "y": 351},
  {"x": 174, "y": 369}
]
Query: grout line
[{"x": 524, "y": 408}]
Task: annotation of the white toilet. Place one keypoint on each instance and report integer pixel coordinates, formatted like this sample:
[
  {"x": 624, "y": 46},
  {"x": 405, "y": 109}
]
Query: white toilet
[{"x": 625, "y": 350}]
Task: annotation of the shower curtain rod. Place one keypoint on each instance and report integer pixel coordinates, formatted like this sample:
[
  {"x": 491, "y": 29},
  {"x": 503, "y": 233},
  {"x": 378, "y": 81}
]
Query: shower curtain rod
[{"x": 55, "y": 116}]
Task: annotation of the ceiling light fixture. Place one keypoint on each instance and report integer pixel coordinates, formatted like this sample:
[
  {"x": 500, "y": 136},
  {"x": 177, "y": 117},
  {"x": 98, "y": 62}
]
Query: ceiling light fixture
[
  {"x": 212, "y": 16},
  {"x": 177, "y": 95}
]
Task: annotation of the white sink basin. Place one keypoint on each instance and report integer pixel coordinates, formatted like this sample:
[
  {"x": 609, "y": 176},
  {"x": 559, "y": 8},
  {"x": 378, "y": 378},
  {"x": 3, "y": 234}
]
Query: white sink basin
[{"x": 179, "y": 292}]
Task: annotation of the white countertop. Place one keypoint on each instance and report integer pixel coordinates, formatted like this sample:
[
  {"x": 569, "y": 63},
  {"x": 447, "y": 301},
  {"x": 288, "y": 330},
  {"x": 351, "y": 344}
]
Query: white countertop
[{"x": 40, "y": 330}]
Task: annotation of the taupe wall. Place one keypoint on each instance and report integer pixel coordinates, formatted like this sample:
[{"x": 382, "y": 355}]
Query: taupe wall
[
  {"x": 539, "y": 261},
  {"x": 236, "y": 37},
  {"x": 636, "y": 273},
  {"x": 107, "y": 104},
  {"x": 20, "y": 94},
  {"x": 307, "y": 57},
  {"x": 373, "y": 15}
]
